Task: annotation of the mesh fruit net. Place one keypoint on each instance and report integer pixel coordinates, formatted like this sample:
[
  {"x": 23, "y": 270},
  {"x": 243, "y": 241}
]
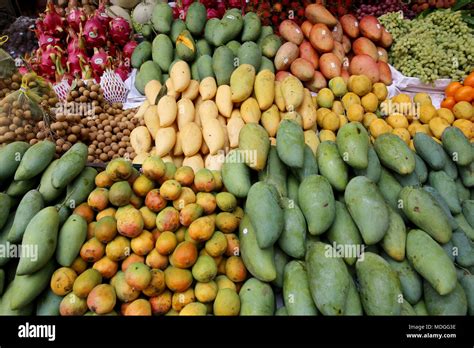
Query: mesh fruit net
[{"x": 114, "y": 88}]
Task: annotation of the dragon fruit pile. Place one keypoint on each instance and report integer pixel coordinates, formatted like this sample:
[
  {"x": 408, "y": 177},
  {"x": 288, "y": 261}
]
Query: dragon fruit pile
[
  {"x": 80, "y": 46},
  {"x": 215, "y": 8}
]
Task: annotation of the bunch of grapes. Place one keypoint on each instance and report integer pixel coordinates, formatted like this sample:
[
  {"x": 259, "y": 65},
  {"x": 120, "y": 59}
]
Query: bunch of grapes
[
  {"x": 421, "y": 5},
  {"x": 379, "y": 8},
  {"x": 440, "y": 45},
  {"x": 21, "y": 38}
]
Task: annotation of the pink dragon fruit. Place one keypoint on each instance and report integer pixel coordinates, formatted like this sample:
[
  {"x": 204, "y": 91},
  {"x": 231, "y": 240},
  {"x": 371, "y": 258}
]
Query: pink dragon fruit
[
  {"x": 76, "y": 19},
  {"x": 48, "y": 59},
  {"x": 123, "y": 70},
  {"x": 129, "y": 48},
  {"x": 45, "y": 39},
  {"x": 95, "y": 32},
  {"x": 51, "y": 23},
  {"x": 99, "y": 62},
  {"x": 120, "y": 30},
  {"x": 75, "y": 43},
  {"x": 101, "y": 13},
  {"x": 75, "y": 64}
]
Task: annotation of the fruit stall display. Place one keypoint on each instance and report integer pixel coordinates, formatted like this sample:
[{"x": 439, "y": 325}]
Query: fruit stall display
[{"x": 268, "y": 171}]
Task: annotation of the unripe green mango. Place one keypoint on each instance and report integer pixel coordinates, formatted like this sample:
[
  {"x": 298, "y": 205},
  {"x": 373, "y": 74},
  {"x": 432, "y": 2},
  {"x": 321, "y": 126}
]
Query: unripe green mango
[
  {"x": 430, "y": 260},
  {"x": 353, "y": 145},
  {"x": 316, "y": 200},
  {"x": 368, "y": 209},
  {"x": 373, "y": 169},
  {"x": 331, "y": 165},
  {"x": 394, "y": 153},
  {"x": 296, "y": 292},
  {"x": 256, "y": 298},
  {"x": 379, "y": 286},
  {"x": 423, "y": 210},
  {"x": 453, "y": 303}
]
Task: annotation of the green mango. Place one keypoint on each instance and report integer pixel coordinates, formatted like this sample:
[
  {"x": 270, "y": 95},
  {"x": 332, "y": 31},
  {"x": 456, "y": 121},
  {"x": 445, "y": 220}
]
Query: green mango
[
  {"x": 353, "y": 305},
  {"x": 368, "y": 209},
  {"x": 293, "y": 185},
  {"x": 204, "y": 66},
  {"x": 394, "y": 153},
  {"x": 331, "y": 165},
  {"x": 72, "y": 236},
  {"x": 177, "y": 27},
  {"x": 35, "y": 160},
  {"x": 250, "y": 53},
  {"x": 281, "y": 259},
  {"x": 430, "y": 260},
  {"x": 380, "y": 288},
  {"x": 266, "y": 30},
  {"x": 467, "y": 175},
  {"x": 442, "y": 203},
  {"x": 344, "y": 232},
  {"x": 234, "y": 47},
  {"x": 78, "y": 190},
  {"x": 5, "y": 205},
  {"x": 429, "y": 150},
  {"x": 263, "y": 209},
  {"x": 48, "y": 303},
  {"x": 421, "y": 171},
  {"x": 5, "y": 307},
  {"x": 162, "y": 52},
  {"x": 316, "y": 200},
  {"x": 464, "y": 226},
  {"x": 374, "y": 169},
  {"x": 464, "y": 248},
  {"x": 26, "y": 288},
  {"x": 267, "y": 64},
  {"x": 420, "y": 308},
  {"x": 10, "y": 158},
  {"x": 141, "y": 54},
  {"x": 196, "y": 17},
  {"x": 453, "y": 303},
  {"x": 275, "y": 172},
  {"x": 41, "y": 234},
  {"x": 390, "y": 188},
  {"x": 290, "y": 143},
  {"x": 293, "y": 237},
  {"x": 353, "y": 144},
  {"x": 252, "y": 27},
  {"x": 329, "y": 279},
  {"x": 463, "y": 192},
  {"x": 209, "y": 29},
  {"x": 296, "y": 293},
  {"x": 259, "y": 262},
  {"x": 310, "y": 165},
  {"x": 256, "y": 298},
  {"x": 29, "y": 206},
  {"x": 425, "y": 212},
  {"x": 467, "y": 283},
  {"x": 236, "y": 175},
  {"x": 446, "y": 187},
  {"x": 270, "y": 45},
  {"x": 162, "y": 18},
  {"x": 223, "y": 64},
  {"x": 202, "y": 48},
  {"x": 47, "y": 190},
  {"x": 410, "y": 281},
  {"x": 185, "y": 47},
  {"x": 407, "y": 309},
  {"x": 468, "y": 211},
  {"x": 450, "y": 167},
  {"x": 394, "y": 240},
  {"x": 457, "y": 146}
]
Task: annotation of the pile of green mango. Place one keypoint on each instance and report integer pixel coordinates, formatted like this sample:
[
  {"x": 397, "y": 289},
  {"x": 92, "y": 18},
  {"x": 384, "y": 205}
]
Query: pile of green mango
[
  {"x": 214, "y": 47},
  {"x": 356, "y": 228},
  {"x": 37, "y": 230}
]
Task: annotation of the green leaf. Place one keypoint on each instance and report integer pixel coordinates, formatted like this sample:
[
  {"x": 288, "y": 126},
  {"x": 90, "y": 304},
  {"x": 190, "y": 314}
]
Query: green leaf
[{"x": 460, "y": 4}]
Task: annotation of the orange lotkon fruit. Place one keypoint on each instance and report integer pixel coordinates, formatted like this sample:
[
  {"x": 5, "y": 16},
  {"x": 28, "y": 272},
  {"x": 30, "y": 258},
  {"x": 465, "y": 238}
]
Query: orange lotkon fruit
[
  {"x": 452, "y": 88},
  {"x": 465, "y": 93},
  {"x": 448, "y": 103},
  {"x": 469, "y": 80}
]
